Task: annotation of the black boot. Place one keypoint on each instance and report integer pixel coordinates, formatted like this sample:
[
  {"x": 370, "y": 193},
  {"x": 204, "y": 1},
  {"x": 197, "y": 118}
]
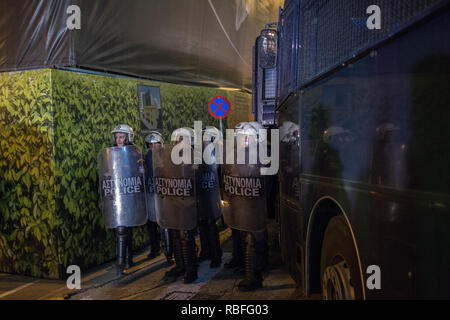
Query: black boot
[
  {"x": 190, "y": 257},
  {"x": 168, "y": 248},
  {"x": 214, "y": 245},
  {"x": 129, "y": 250},
  {"x": 179, "y": 268},
  {"x": 253, "y": 275},
  {"x": 167, "y": 244},
  {"x": 153, "y": 233},
  {"x": 121, "y": 248},
  {"x": 237, "y": 261},
  {"x": 205, "y": 252}
]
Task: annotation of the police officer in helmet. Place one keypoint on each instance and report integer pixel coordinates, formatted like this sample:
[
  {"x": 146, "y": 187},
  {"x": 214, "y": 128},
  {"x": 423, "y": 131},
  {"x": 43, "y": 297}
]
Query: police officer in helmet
[
  {"x": 123, "y": 136},
  {"x": 183, "y": 239},
  {"x": 238, "y": 258},
  {"x": 152, "y": 139},
  {"x": 208, "y": 203},
  {"x": 246, "y": 212}
]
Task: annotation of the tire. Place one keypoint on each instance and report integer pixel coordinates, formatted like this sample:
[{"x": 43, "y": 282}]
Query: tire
[{"x": 340, "y": 275}]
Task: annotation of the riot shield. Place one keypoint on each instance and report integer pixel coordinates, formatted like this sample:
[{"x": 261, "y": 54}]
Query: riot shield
[
  {"x": 174, "y": 185},
  {"x": 244, "y": 203},
  {"x": 122, "y": 186},
  {"x": 208, "y": 192},
  {"x": 150, "y": 187}
]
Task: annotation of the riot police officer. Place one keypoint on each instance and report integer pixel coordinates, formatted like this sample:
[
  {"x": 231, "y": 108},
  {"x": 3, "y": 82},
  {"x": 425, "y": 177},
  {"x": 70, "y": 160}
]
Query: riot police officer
[
  {"x": 152, "y": 139},
  {"x": 208, "y": 203},
  {"x": 155, "y": 248},
  {"x": 122, "y": 192},
  {"x": 123, "y": 135},
  {"x": 245, "y": 207},
  {"x": 176, "y": 202},
  {"x": 238, "y": 257}
]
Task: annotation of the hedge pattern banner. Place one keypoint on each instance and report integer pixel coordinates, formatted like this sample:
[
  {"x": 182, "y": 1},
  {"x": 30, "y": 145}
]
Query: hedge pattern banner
[
  {"x": 28, "y": 221},
  {"x": 53, "y": 123}
]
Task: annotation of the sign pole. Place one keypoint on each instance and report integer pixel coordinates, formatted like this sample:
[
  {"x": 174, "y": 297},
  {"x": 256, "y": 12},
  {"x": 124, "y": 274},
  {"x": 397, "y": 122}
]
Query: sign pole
[{"x": 219, "y": 107}]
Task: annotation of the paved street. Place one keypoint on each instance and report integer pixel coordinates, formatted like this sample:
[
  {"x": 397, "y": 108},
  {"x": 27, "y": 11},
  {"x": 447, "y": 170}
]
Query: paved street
[{"x": 145, "y": 281}]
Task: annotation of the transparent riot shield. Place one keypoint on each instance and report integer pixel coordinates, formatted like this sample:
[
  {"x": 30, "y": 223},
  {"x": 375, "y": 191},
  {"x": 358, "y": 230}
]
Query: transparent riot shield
[
  {"x": 122, "y": 186},
  {"x": 244, "y": 203},
  {"x": 174, "y": 185},
  {"x": 150, "y": 187},
  {"x": 208, "y": 192}
]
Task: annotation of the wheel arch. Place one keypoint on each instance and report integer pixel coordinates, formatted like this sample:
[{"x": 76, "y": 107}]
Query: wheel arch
[{"x": 322, "y": 212}]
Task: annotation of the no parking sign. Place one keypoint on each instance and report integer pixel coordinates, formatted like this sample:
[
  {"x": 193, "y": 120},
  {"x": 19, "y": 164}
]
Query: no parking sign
[{"x": 219, "y": 107}]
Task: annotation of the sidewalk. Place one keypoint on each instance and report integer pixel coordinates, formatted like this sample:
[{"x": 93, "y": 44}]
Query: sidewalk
[{"x": 144, "y": 281}]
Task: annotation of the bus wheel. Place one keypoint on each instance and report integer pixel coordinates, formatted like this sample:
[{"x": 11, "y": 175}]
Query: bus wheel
[{"x": 339, "y": 268}]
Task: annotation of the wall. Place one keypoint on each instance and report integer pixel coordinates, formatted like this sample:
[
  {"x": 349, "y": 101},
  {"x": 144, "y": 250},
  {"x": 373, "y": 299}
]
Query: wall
[
  {"x": 28, "y": 220},
  {"x": 53, "y": 123}
]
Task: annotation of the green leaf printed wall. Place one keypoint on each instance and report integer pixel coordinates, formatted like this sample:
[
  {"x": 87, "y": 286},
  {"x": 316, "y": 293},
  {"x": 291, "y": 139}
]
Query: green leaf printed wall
[
  {"x": 28, "y": 219},
  {"x": 52, "y": 125}
]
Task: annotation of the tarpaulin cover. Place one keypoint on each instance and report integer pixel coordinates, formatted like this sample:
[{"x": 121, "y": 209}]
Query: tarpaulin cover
[
  {"x": 203, "y": 42},
  {"x": 33, "y": 34}
]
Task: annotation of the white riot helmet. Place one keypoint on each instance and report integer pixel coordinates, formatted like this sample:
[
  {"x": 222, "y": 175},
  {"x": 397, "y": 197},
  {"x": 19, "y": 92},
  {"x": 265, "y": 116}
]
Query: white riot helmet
[
  {"x": 154, "y": 137},
  {"x": 123, "y": 128},
  {"x": 240, "y": 126},
  {"x": 183, "y": 132},
  {"x": 250, "y": 129},
  {"x": 211, "y": 134},
  {"x": 262, "y": 135}
]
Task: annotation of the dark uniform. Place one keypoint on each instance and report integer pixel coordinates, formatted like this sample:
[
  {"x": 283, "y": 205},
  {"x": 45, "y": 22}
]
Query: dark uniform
[
  {"x": 152, "y": 226},
  {"x": 130, "y": 210},
  {"x": 176, "y": 208},
  {"x": 245, "y": 211},
  {"x": 208, "y": 204}
]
